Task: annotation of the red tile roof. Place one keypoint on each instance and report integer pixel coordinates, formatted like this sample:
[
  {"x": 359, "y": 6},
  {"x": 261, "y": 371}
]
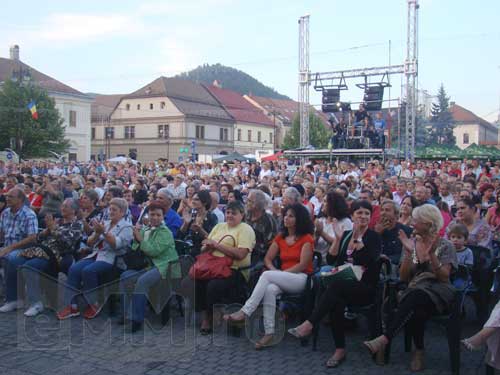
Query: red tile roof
[
  {"x": 8, "y": 66},
  {"x": 104, "y": 105},
  {"x": 239, "y": 108},
  {"x": 464, "y": 116},
  {"x": 286, "y": 110}
]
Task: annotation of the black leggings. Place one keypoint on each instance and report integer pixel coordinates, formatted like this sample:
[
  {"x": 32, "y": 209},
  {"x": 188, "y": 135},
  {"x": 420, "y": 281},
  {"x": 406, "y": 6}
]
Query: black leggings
[
  {"x": 335, "y": 299},
  {"x": 219, "y": 291},
  {"x": 415, "y": 309}
]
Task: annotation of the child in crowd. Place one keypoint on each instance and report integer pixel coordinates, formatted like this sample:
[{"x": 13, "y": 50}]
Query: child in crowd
[{"x": 458, "y": 235}]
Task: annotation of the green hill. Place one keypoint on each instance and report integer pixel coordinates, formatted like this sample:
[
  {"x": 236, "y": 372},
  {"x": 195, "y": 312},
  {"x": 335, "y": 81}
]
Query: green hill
[{"x": 232, "y": 79}]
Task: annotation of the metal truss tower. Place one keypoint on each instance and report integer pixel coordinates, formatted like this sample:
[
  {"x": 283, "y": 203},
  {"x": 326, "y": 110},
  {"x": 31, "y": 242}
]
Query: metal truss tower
[
  {"x": 329, "y": 79},
  {"x": 411, "y": 73},
  {"x": 304, "y": 80}
]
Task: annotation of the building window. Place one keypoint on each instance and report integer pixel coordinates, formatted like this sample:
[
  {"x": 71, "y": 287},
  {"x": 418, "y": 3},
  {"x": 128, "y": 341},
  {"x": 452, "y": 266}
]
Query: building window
[
  {"x": 466, "y": 138},
  {"x": 162, "y": 105},
  {"x": 249, "y": 136},
  {"x": 109, "y": 133},
  {"x": 138, "y": 107},
  {"x": 72, "y": 156},
  {"x": 221, "y": 134},
  {"x": 92, "y": 133},
  {"x": 270, "y": 138},
  {"x": 239, "y": 134},
  {"x": 200, "y": 131},
  {"x": 127, "y": 107},
  {"x": 151, "y": 106},
  {"x": 226, "y": 134},
  {"x": 72, "y": 119},
  {"x": 164, "y": 131},
  {"x": 259, "y": 137},
  {"x": 129, "y": 132}
]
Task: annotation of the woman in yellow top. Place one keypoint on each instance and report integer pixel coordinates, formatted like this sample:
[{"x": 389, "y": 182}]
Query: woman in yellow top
[{"x": 234, "y": 239}]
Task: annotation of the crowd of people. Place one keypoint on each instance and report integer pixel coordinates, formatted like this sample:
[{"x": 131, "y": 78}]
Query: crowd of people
[{"x": 85, "y": 220}]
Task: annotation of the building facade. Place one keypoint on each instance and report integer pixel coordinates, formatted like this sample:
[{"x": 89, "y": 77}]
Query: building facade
[
  {"x": 470, "y": 128},
  {"x": 169, "y": 118},
  {"x": 74, "y": 106},
  {"x": 254, "y": 133}
]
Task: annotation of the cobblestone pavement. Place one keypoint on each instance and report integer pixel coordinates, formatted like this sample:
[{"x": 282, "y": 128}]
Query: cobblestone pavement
[{"x": 43, "y": 345}]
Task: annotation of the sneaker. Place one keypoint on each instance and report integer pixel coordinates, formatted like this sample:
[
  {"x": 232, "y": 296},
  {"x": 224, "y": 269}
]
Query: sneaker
[
  {"x": 67, "y": 312},
  {"x": 11, "y": 306},
  {"x": 34, "y": 309},
  {"x": 92, "y": 311}
]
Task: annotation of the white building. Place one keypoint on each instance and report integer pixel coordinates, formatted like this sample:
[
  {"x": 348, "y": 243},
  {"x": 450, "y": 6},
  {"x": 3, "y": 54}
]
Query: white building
[
  {"x": 470, "y": 128},
  {"x": 74, "y": 106}
]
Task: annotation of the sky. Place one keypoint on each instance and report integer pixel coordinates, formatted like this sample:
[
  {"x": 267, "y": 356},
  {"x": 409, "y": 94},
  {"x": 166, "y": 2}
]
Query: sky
[{"x": 116, "y": 47}]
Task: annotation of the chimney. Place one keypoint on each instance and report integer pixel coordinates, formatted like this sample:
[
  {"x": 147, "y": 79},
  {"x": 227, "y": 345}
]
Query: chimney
[
  {"x": 452, "y": 103},
  {"x": 216, "y": 83},
  {"x": 14, "y": 52}
]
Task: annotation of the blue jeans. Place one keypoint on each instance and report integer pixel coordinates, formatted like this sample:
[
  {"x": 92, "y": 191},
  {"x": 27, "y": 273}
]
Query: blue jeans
[
  {"x": 83, "y": 276},
  {"x": 12, "y": 264},
  {"x": 32, "y": 270},
  {"x": 135, "y": 306}
]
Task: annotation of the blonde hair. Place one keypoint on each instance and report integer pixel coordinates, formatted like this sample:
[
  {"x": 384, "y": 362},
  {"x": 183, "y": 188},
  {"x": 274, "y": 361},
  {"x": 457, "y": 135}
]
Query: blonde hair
[{"x": 428, "y": 213}]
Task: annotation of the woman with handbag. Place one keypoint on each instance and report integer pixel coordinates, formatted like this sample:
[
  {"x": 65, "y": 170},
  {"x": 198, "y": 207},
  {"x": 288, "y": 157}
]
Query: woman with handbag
[
  {"x": 294, "y": 246},
  {"x": 110, "y": 240},
  {"x": 233, "y": 240},
  {"x": 359, "y": 247},
  {"x": 153, "y": 249},
  {"x": 426, "y": 265},
  {"x": 52, "y": 253}
]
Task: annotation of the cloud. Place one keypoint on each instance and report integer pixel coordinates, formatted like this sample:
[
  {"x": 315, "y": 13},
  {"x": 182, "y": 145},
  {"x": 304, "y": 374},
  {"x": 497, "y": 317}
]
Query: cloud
[{"x": 68, "y": 27}]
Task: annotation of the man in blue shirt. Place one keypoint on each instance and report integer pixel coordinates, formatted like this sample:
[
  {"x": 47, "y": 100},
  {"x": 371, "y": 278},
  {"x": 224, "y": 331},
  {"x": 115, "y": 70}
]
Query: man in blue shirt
[
  {"x": 172, "y": 219},
  {"x": 380, "y": 126}
]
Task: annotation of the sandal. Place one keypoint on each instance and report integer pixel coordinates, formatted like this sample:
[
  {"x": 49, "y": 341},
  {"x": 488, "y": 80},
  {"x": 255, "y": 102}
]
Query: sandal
[
  {"x": 375, "y": 345},
  {"x": 417, "y": 361},
  {"x": 332, "y": 363},
  {"x": 469, "y": 346},
  {"x": 265, "y": 342},
  {"x": 295, "y": 333}
]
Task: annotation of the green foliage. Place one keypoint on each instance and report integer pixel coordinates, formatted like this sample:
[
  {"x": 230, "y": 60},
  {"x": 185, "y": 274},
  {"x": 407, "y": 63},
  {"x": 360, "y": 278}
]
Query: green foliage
[
  {"x": 231, "y": 79},
  {"x": 33, "y": 138},
  {"x": 318, "y": 134},
  {"x": 442, "y": 121}
]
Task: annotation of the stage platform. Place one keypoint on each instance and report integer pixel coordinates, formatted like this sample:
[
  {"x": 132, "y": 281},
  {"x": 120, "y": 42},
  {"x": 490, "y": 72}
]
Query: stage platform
[{"x": 344, "y": 152}]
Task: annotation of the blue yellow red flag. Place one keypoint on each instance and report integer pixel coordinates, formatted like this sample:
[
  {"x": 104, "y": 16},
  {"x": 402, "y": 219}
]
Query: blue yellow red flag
[{"x": 32, "y": 108}]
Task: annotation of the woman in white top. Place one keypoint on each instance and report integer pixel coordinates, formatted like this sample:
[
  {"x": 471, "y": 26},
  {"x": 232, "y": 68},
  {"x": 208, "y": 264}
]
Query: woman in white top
[{"x": 336, "y": 220}]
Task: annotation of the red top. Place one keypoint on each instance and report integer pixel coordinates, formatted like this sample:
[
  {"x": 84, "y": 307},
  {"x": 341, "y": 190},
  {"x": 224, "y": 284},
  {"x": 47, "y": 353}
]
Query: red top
[{"x": 290, "y": 255}]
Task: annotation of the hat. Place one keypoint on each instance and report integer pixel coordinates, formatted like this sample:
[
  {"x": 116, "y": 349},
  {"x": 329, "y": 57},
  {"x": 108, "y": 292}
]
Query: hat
[{"x": 485, "y": 187}]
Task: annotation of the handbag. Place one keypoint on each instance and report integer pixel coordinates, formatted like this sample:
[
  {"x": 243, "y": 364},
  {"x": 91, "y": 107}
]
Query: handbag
[
  {"x": 209, "y": 266},
  {"x": 135, "y": 260}
]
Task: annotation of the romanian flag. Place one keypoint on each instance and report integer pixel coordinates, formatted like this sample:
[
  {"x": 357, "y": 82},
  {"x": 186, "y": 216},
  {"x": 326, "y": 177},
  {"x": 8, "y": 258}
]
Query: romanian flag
[{"x": 32, "y": 108}]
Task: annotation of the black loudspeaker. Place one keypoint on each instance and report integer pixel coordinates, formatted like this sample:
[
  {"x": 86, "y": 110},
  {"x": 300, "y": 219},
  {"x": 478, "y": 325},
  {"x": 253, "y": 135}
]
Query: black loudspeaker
[
  {"x": 373, "y": 98},
  {"x": 330, "y": 99}
]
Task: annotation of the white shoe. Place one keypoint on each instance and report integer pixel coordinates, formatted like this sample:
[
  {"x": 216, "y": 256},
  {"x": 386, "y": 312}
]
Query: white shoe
[
  {"x": 34, "y": 309},
  {"x": 11, "y": 306}
]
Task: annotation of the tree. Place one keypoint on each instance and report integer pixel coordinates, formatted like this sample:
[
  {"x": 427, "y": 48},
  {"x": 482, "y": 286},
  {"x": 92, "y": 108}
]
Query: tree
[
  {"x": 318, "y": 134},
  {"x": 31, "y": 138},
  {"x": 441, "y": 120}
]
